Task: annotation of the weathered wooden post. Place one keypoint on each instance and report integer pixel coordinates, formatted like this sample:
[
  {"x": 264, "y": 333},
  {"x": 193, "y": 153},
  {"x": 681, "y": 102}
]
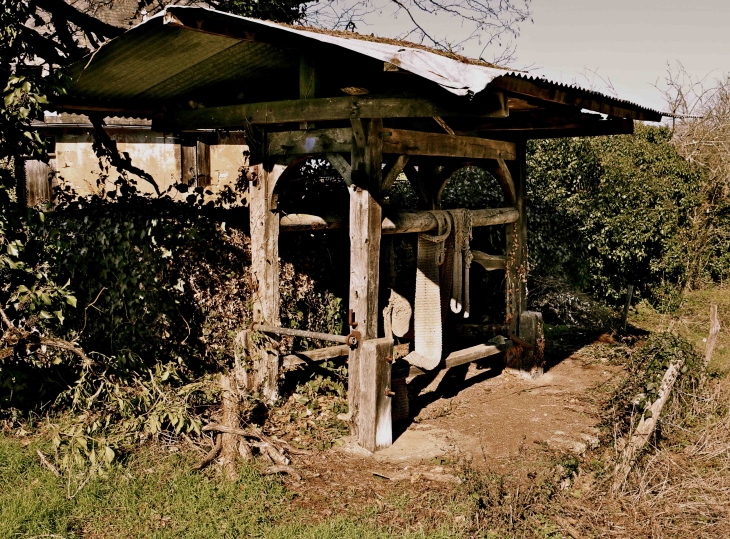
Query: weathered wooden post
[
  {"x": 376, "y": 425},
  {"x": 516, "y": 275},
  {"x": 366, "y": 381},
  {"x": 264, "y": 221},
  {"x": 528, "y": 359}
]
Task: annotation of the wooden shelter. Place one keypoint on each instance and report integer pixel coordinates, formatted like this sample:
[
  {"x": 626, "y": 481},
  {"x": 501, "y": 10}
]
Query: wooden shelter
[{"x": 374, "y": 109}]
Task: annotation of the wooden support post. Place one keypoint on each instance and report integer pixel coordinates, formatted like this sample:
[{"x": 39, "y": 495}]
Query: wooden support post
[
  {"x": 265, "y": 269},
  {"x": 375, "y": 421},
  {"x": 528, "y": 362},
  {"x": 516, "y": 276},
  {"x": 365, "y": 232}
]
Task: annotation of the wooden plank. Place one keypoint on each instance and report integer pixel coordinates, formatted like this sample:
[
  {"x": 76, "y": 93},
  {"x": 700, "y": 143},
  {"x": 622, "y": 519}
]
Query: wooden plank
[
  {"x": 489, "y": 262},
  {"x": 203, "y": 164},
  {"x": 573, "y": 97},
  {"x": 37, "y": 182},
  {"x": 474, "y": 353},
  {"x": 327, "y": 141},
  {"x": 188, "y": 165},
  {"x": 405, "y": 142},
  {"x": 264, "y": 226},
  {"x": 315, "y": 356},
  {"x": 322, "y": 109},
  {"x": 340, "y": 164},
  {"x": 375, "y": 430},
  {"x": 393, "y": 172}
]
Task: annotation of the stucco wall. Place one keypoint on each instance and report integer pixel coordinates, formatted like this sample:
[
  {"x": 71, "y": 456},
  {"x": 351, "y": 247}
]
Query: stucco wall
[{"x": 153, "y": 152}]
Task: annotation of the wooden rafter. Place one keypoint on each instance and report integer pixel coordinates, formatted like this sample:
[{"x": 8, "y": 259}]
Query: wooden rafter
[{"x": 573, "y": 97}]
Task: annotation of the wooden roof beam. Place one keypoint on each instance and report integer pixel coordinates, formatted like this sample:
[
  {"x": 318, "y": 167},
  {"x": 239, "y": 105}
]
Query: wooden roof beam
[
  {"x": 588, "y": 129},
  {"x": 323, "y": 109},
  {"x": 572, "y": 97}
]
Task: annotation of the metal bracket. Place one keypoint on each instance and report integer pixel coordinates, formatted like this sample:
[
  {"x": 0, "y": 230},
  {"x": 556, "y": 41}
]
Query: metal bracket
[
  {"x": 351, "y": 319},
  {"x": 353, "y": 339}
]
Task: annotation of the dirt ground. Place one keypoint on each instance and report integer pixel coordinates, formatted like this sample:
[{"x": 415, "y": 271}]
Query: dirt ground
[{"x": 473, "y": 415}]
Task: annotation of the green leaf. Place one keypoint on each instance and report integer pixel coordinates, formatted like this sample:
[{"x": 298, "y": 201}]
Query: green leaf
[
  {"x": 71, "y": 300},
  {"x": 46, "y": 315}
]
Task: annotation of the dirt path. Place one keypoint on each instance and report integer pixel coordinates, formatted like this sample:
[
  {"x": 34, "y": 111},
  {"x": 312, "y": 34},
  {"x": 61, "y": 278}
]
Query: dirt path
[
  {"x": 480, "y": 414},
  {"x": 474, "y": 413}
]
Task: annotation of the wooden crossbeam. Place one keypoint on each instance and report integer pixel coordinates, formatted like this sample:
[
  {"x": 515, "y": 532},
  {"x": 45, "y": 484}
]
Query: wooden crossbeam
[
  {"x": 405, "y": 142},
  {"x": 328, "y": 141},
  {"x": 395, "y": 141},
  {"x": 321, "y": 109},
  {"x": 401, "y": 222},
  {"x": 489, "y": 262}
]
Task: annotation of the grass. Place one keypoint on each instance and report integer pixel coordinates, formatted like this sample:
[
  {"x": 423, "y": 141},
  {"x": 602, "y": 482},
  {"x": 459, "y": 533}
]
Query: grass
[
  {"x": 154, "y": 495},
  {"x": 679, "y": 489},
  {"x": 691, "y": 320}
]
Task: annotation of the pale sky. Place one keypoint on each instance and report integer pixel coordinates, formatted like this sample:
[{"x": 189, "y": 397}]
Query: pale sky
[{"x": 626, "y": 41}]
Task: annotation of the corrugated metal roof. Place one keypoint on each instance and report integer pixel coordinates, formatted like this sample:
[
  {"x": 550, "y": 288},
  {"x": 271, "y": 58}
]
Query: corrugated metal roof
[{"x": 185, "y": 51}]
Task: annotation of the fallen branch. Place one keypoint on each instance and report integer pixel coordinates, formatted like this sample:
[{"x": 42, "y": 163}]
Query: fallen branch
[
  {"x": 646, "y": 426},
  {"x": 212, "y": 454},
  {"x": 51, "y": 342},
  {"x": 282, "y": 468},
  {"x": 45, "y": 462}
]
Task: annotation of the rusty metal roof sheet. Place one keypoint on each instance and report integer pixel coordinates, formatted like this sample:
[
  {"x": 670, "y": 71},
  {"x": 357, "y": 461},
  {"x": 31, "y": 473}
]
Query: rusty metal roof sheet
[{"x": 186, "y": 51}]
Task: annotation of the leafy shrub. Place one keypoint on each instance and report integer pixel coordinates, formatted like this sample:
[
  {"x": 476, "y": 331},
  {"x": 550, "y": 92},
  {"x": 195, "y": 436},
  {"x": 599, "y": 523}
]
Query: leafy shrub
[{"x": 606, "y": 212}]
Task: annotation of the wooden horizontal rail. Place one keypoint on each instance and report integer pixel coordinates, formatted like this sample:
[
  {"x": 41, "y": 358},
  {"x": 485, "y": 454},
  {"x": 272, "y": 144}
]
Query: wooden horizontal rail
[
  {"x": 467, "y": 355},
  {"x": 315, "y": 356},
  {"x": 302, "y": 333},
  {"x": 399, "y": 222},
  {"x": 328, "y": 108}
]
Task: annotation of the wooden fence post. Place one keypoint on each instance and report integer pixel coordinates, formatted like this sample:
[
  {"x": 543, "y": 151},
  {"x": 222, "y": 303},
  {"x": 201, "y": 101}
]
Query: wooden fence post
[
  {"x": 712, "y": 337},
  {"x": 264, "y": 221}
]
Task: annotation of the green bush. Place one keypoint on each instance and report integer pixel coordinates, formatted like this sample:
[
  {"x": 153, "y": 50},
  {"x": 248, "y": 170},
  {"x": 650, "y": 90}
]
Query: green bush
[{"x": 606, "y": 212}]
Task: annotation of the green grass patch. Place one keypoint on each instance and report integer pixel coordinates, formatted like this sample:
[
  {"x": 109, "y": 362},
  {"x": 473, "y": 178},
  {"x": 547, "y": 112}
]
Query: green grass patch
[{"x": 155, "y": 495}]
